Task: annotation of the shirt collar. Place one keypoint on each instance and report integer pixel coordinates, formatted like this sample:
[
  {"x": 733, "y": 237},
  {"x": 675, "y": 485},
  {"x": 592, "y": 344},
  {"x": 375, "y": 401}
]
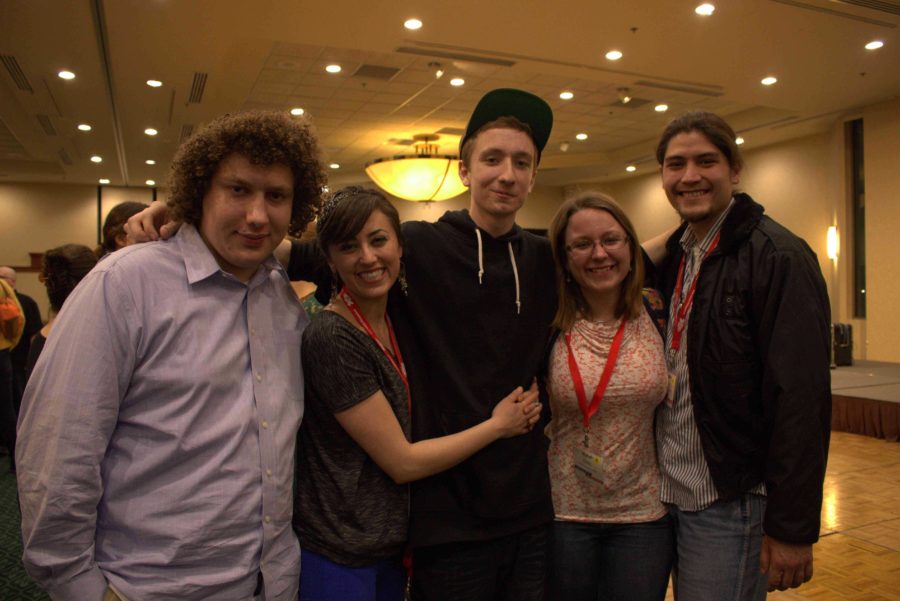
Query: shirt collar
[
  {"x": 689, "y": 240},
  {"x": 200, "y": 263}
]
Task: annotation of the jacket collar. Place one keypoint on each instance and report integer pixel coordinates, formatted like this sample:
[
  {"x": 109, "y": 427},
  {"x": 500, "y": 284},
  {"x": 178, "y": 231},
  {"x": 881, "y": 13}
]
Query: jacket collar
[{"x": 744, "y": 216}]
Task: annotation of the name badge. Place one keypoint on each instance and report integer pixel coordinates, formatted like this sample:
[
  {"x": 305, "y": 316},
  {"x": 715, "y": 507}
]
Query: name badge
[
  {"x": 670, "y": 389},
  {"x": 588, "y": 463}
]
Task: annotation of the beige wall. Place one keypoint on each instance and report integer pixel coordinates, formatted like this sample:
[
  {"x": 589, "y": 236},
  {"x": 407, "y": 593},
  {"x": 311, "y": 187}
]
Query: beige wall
[
  {"x": 37, "y": 217},
  {"x": 881, "y": 131}
]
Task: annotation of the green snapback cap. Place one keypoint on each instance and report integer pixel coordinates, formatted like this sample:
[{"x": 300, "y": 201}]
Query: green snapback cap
[{"x": 508, "y": 102}]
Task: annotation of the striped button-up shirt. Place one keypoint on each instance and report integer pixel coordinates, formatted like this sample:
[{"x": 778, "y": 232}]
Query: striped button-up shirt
[{"x": 686, "y": 481}]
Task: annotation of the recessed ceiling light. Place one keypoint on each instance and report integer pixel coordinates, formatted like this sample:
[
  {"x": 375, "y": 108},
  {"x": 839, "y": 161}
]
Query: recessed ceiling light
[
  {"x": 103, "y": 180},
  {"x": 705, "y": 9},
  {"x": 150, "y": 182},
  {"x": 613, "y": 55},
  {"x": 457, "y": 81},
  {"x": 84, "y": 127},
  {"x": 297, "y": 111},
  {"x": 66, "y": 75},
  {"x": 874, "y": 45},
  {"x": 661, "y": 108},
  {"x": 150, "y": 162},
  {"x": 581, "y": 136},
  {"x": 566, "y": 95},
  {"x": 96, "y": 159},
  {"x": 335, "y": 165},
  {"x": 630, "y": 168},
  {"x": 150, "y": 131},
  {"x": 412, "y": 24},
  {"x": 739, "y": 140},
  {"x": 767, "y": 81},
  {"x": 154, "y": 83},
  {"x": 333, "y": 68}
]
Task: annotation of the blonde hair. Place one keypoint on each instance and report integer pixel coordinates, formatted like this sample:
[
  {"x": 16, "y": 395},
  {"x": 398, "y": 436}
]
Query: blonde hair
[{"x": 571, "y": 298}]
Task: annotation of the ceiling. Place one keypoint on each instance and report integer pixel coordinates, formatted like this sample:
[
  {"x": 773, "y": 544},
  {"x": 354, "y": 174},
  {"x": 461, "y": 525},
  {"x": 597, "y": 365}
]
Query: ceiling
[{"x": 220, "y": 56}]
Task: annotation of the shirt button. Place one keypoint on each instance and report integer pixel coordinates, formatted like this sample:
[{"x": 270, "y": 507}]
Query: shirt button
[
  {"x": 269, "y": 473},
  {"x": 268, "y": 519},
  {"x": 258, "y": 377},
  {"x": 265, "y": 424}
]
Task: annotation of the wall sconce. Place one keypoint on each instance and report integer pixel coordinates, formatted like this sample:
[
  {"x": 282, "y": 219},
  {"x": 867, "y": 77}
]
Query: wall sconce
[{"x": 832, "y": 243}]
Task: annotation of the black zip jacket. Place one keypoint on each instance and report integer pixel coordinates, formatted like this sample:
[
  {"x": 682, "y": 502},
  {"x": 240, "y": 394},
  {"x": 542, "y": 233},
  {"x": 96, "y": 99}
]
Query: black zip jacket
[{"x": 758, "y": 355}]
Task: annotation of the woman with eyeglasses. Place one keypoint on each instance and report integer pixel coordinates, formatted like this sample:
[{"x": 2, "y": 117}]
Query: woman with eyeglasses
[{"x": 612, "y": 538}]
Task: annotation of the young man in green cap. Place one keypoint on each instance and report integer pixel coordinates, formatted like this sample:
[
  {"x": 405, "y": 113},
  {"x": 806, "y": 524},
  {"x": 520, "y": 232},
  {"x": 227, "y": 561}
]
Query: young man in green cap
[{"x": 478, "y": 311}]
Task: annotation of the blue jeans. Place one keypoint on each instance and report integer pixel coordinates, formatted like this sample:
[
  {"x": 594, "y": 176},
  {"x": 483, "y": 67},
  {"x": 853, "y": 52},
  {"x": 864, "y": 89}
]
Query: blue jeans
[
  {"x": 509, "y": 568},
  {"x": 323, "y": 580},
  {"x": 718, "y": 551},
  {"x": 611, "y": 562}
]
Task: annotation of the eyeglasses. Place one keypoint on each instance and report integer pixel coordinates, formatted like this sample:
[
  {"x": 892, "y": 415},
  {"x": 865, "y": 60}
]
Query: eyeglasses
[{"x": 585, "y": 246}]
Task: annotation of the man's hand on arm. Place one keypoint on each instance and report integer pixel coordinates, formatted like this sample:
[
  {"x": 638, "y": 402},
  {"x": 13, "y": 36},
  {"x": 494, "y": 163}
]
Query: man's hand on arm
[
  {"x": 787, "y": 565},
  {"x": 151, "y": 224}
]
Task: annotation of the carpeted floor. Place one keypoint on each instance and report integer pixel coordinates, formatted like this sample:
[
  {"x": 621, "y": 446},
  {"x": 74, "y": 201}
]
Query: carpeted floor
[{"x": 15, "y": 585}]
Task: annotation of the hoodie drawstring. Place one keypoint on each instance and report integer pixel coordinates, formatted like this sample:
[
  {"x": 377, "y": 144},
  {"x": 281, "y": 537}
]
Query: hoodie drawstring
[{"x": 512, "y": 260}]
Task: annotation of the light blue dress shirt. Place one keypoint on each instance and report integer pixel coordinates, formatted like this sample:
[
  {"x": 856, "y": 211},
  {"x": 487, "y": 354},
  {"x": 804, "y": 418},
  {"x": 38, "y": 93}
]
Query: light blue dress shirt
[{"x": 157, "y": 432}]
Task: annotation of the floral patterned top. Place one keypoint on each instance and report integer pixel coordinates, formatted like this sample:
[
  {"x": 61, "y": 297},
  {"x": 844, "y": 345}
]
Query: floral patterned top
[{"x": 625, "y": 486}]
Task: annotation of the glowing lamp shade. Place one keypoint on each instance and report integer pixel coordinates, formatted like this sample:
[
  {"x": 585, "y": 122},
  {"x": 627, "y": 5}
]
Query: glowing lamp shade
[
  {"x": 424, "y": 178},
  {"x": 831, "y": 243}
]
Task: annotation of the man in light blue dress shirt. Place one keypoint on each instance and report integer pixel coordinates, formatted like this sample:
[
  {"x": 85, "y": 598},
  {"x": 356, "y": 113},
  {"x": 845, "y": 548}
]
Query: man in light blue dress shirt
[{"x": 157, "y": 431}]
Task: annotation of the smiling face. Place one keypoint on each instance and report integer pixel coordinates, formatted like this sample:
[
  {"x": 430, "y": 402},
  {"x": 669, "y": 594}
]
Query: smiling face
[
  {"x": 698, "y": 179},
  {"x": 369, "y": 263},
  {"x": 598, "y": 257},
  {"x": 246, "y": 213},
  {"x": 500, "y": 175}
]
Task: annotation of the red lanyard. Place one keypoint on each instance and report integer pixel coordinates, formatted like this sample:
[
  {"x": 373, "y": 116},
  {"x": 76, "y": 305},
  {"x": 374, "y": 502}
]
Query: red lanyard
[
  {"x": 398, "y": 363},
  {"x": 589, "y": 410},
  {"x": 680, "y": 318}
]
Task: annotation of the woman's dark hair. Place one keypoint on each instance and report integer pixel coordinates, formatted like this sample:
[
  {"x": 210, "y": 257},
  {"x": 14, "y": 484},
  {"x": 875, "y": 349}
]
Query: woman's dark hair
[
  {"x": 115, "y": 225},
  {"x": 62, "y": 269},
  {"x": 345, "y": 213}
]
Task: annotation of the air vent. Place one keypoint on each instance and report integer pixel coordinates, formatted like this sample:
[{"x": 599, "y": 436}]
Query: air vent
[
  {"x": 186, "y": 131},
  {"x": 456, "y": 56},
  {"x": 64, "y": 156},
  {"x": 892, "y": 8},
  {"x": 376, "y": 72},
  {"x": 9, "y": 145},
  {"x": 15, "y": 71},
  {"x": 889, "y": 8},
  {"x": 676, "y": 88},
  {"x": 46, "y": 125},
  {"x": 451, "y": 131},
  {"x": 197, "y": 87}
]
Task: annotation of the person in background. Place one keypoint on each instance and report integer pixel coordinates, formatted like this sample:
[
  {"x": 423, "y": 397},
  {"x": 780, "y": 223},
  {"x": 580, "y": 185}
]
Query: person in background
[
  {"x": 158, "y": 431},
  {"x": 12, "y": 323},
  {"x": 612, "y": 538},
  {"x": 743, "y": 435},
  {"x": 114, "y": 236},
  {"x": 19, "y": 354},
  {"x": 354, "y": 455},
  {"x": 61, "y": 270}
]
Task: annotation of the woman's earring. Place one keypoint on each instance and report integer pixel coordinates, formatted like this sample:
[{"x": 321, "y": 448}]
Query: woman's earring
[
  {"x": 404, "y": 287},
  {"x": 334, "y": 290}
]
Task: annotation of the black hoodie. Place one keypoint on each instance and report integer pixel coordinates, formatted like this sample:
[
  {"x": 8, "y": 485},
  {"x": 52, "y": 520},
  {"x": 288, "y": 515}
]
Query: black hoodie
[{"x": 473, "y": 327}]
